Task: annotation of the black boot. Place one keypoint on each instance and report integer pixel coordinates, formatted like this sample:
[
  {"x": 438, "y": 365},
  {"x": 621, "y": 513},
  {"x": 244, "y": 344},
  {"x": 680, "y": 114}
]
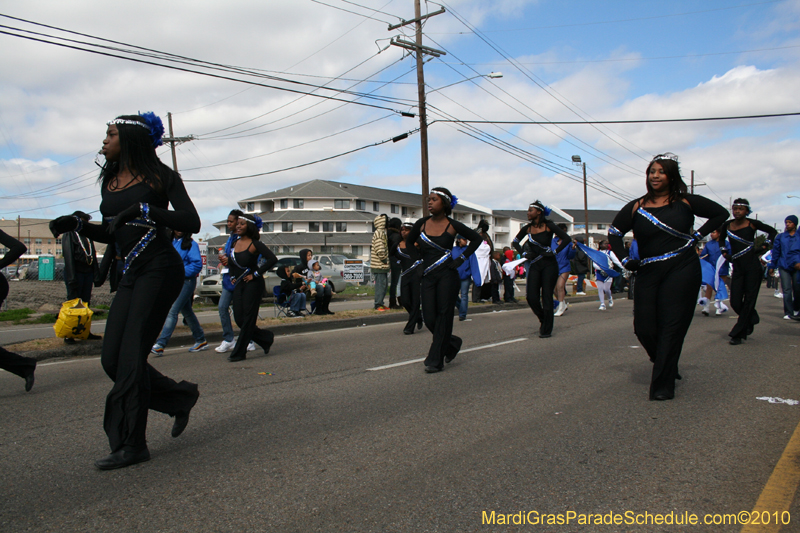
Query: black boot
[{"x": 393, "y": 303}]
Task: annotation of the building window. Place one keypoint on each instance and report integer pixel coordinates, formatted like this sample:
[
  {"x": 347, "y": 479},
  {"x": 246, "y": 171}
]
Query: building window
[
  {"x": 361, "y": 205},
  {"x": 268, "y": 226},
  {"x": 395, "y": 208},
  {"x": 356, "y": 250},
  {"x": 298, "y": 203},
  {"x": 341, "y": 204},
  {"x": 26, "y": 240},
  {"x": 326, "y": 249},
  {"x": 313, "y": 226},
  {"x": 405, "y": 211},
  {"x": 327, "y": 226},
  {"x": 287, "y": 249},
  {"x": 38, "y": 241},
  {"x": 287, "y": 226},
  {"x": 58, "y": 241},
  {"x": 49, "y": 241},
  {"x": 285, "y": 203},
  {"x": 376, "y": 206},
  {"x": 58, "y": 251},
  {"x": 601, "y": 226},
  {"x": 341, "y": 226},
  {"x": 251, "y": 206},
  {"x": 38, "y": 251}
]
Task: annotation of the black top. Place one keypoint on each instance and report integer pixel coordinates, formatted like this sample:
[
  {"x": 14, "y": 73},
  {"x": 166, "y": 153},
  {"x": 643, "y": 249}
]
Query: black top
[
  {"x": 160, "y": 251},
  {"x": 747, "y": 233},
  {"x": 393, "y": 238},
  {"x": 544, "y": 238},
  {"x": 678, "y": 215},
  {"x": 406, "y": 257},
  {"x": 431, "y": 254},
  {"x": 15, "y": 249},
  {"x": 247, "y": 260}
]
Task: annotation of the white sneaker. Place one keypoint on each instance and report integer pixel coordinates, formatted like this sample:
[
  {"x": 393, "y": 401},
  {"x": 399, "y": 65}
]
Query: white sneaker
[
  {"x": 562, "y": 306},
  {"x": 602, "y": 307},
  {"x": 722, "y": 311},
  {"x": 705, "y": 310},
  {"x": 778, "y": 294},
  {"x": 225, "y": 346},
  {"x": 580, "y": 293},
  {"x": 787, "y": 317},
  {"x": 251, "y": 347},
  {"x": 610, "y": 303}
]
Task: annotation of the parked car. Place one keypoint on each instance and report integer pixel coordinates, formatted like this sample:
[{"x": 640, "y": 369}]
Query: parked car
[
  {"x": 336, "y": 263},
  {"x": 211, "y": 286},
  {"x": 10, "y": 272}
]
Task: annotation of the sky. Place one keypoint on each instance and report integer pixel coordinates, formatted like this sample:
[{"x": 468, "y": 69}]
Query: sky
[{"x": 261, "y": 101}]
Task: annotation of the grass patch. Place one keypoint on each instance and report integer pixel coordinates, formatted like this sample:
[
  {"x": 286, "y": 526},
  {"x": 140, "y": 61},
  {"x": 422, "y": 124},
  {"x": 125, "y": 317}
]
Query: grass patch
[
  {"x": 357, "y": 290},
  {"x": 15, "y": 314},
  {"x": 101, "y": 306},
  {"x": 46, "y": 318}
]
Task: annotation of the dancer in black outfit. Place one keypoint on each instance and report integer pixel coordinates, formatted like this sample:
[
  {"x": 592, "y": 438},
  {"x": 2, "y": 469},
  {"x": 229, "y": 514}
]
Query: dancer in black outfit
[
  {"x": 440, "y": 282},
  {"x": 24, "y": 367},
  {"x": 136, "y": 190},
  {"x": 409, "y": 262},
  {"x": 668, "y": 274},
  {"x": 248, "y": 285},
  {"x": 533, "y": 242},
  {"x": 747, "y": 271}
]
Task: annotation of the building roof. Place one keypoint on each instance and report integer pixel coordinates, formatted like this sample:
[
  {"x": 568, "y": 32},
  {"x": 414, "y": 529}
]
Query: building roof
[
  {"x": 523, "y": 215},
  {"x": 334, "y": 189}
]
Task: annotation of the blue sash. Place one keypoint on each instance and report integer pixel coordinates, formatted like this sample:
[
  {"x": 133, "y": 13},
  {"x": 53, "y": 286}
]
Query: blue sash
[
  {"x": 690, "y": 240},
  {"x": 442, "y": 260}
]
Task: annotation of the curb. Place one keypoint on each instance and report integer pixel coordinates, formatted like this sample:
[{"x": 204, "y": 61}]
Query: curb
[{"x": 87, "y": 348}]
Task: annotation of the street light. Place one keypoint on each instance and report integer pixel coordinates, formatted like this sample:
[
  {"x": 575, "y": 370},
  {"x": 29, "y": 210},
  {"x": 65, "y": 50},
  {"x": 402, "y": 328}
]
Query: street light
[
  {"x": 576, "y": 159},
  {"x": 325, "y": 240},
  {"x": 492, "y": 75}
]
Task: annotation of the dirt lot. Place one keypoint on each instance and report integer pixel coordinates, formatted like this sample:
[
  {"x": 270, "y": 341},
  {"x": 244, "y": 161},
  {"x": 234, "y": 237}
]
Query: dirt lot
[{"x": 33, "y": 294}]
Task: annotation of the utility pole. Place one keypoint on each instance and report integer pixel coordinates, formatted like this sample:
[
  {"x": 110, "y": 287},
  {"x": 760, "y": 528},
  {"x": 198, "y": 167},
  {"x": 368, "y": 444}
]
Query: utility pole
[
  {"x": 585, "y": 204},
  {"x": 419, "y": 50},
  {"x": 691, "y": 187},
  {"x": 172, "y": 140}
]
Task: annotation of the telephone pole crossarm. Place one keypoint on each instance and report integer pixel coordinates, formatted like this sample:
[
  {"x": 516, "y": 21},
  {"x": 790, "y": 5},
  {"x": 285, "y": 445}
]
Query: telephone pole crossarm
[{"x": 418, "y": 19}]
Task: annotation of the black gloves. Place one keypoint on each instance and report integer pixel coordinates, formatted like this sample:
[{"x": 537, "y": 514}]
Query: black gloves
[
  {"x": 63, "y": 225},
  {"x": 124, "y": 217},
  {"x": 632, "y": 265},
  {"x": 457, "y": 262}
]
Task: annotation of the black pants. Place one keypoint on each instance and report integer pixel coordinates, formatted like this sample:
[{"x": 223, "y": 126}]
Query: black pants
[
  {"x": 81, "y": 286},
  {"x": 508, "y": 289},
  {"x": 246, "y": 301},
  {"x": 541, "y": 282},
  {"x": 745, "y": 284},
  {"x": 134, "y": 322},
  {"x": 16, "y": 364},
  {"x": 323, "y": 300},
  {"x": 394, "y": 278},
  {"x": 410, "y": 299},
  {"x": 664, "y": 302},
  {"x": 438, "y": 293}
]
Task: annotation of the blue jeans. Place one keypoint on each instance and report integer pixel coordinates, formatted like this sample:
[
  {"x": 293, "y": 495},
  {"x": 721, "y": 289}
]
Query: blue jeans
[
  {"x": 381, "y": 282},
  {"x": 182, "y": 305},
  {"x": 225, "y": 298},
  {"x": 579, "y": 282},
  {"x": 297, "y": 302},
  {"x": 790, "y": 285},
  {"x": 463, "y": 299}
]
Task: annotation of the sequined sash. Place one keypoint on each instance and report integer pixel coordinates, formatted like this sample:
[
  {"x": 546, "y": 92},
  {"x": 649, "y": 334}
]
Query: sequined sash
[
  {"x": 690, "y": 240},
  {"x": 749, "y": 245},
  {"x": 447, "y": 254}
]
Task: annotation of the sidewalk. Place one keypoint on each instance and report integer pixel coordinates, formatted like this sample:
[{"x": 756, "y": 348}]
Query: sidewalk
[{"x": 283, "y": 326}]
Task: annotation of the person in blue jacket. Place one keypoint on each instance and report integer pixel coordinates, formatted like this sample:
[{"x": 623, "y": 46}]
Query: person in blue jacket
[
  {"x": 192, "y": 265},
  {"x": 465, "y": 275},
  {"x": 226, "y": 295},
  {"x": 786, "y": 258},
  {"x": 711, "y": 254},
  {"x": 563, "y": 257}
]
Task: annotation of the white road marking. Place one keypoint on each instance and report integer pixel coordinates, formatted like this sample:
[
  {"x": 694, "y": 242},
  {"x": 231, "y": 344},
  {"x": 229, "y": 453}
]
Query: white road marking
[{"x": 476, "y": 348}]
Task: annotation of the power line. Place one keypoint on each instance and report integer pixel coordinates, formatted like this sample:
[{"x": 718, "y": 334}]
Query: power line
[
  {"x": 306, "y": 164},
  {"x": 351, "y": 12},
  {"x": 644, "y": 121}
]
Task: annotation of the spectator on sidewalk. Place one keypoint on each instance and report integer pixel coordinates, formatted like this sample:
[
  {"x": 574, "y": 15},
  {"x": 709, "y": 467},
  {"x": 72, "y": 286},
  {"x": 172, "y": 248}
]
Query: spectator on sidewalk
[
  {"x": 786, "y": 259},
  {"x": 226, "y": 295},
  {"x": 393, "y": 238},
  {"x": 379, "y": 260},
  {"x": 80, "y": 267},
  {"x": 192, "y": 265},
  {"x": 496, "y": 276},
  {"x": 293, "y": 289},
  {"x": 23, "y": 367},
  {"x": 508, "y": 281}
]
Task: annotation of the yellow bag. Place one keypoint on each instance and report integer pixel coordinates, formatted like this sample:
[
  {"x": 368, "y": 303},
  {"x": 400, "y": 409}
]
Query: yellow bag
[{"x": 74, "y": 320}]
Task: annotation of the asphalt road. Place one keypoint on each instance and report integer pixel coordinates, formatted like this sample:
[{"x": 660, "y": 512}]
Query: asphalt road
[{"x": 324, "y": 434}]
